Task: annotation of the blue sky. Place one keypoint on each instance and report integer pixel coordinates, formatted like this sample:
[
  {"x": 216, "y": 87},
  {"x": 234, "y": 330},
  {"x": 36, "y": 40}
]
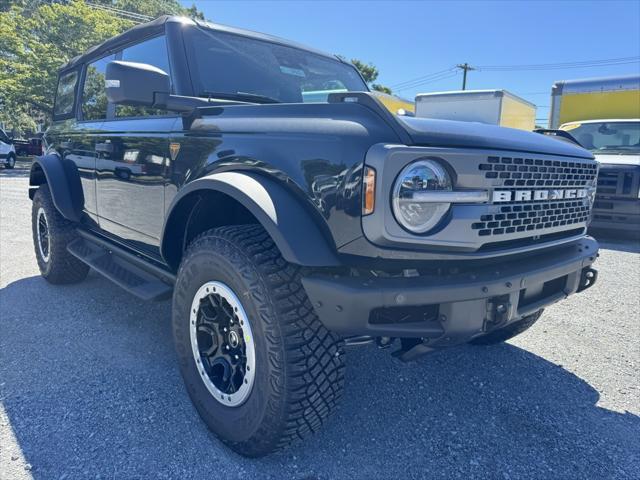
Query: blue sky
[{"x": 411, "y": 39}]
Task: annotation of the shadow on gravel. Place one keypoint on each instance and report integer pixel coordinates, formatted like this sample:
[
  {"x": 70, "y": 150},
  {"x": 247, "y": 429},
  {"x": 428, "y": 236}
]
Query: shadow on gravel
[
  {"x": 629, "y": 246},
  {"x": 20, "y": 170},
  {"x": 621, "y": 241},
  {"x": 89, "y": 381}
]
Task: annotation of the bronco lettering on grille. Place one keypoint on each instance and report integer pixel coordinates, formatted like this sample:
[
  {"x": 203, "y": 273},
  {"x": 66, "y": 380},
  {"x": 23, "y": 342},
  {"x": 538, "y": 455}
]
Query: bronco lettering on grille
[{"x": 537, "y": 195}]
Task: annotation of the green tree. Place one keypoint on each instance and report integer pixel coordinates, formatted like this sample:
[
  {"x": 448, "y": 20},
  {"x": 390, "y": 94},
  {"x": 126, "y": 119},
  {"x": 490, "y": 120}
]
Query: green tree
[
  {"x": 370, "y": 74},
  {"x": 152, "y": 8},
  {"x": 37, "y": 37}
]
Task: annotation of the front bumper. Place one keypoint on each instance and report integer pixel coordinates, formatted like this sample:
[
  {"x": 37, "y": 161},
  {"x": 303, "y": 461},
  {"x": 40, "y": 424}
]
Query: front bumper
[{"x": 452, "y": 309}]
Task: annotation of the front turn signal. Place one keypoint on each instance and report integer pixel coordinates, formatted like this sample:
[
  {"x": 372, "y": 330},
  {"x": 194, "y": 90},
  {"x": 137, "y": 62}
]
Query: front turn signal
[{"x": 369, "y": 188}]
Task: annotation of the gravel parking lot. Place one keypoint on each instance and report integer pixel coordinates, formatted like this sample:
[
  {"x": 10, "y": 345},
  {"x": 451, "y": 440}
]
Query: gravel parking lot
[{"x": 89, "y": 387}]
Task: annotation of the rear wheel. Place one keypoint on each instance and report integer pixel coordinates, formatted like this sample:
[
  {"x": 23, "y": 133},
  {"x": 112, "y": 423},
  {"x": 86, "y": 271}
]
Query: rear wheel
[
  {"x": 510, "y": 331},
  {"x": 258, "y": 364},
  {"x": 51, "y": 235},
  {"x": 11, "y": 161}
]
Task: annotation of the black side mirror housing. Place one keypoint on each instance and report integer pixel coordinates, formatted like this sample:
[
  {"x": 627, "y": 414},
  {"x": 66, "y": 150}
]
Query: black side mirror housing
[{"x": 138, "y": 84}]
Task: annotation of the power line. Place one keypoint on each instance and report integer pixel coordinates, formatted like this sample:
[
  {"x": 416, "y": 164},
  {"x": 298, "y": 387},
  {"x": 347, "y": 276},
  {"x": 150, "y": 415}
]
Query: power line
[
  {"x": 135, "y": 17},
  {"x": 562, "y": 65},
  {"x": 422, "y": 78},
  {"x": 442, "y": 76}
]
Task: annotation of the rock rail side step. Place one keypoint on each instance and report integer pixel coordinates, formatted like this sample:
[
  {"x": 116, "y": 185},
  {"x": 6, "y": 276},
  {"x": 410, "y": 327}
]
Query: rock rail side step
[{"x": 126, "y": 270}]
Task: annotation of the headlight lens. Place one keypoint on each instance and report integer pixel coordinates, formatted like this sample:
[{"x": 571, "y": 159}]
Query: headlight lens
[{"x": 410, "y": 205}]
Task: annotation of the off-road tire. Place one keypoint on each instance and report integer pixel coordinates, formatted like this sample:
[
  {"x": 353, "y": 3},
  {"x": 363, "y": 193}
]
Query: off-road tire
[
  {"x": 61, "y": 267},
  {"x": 299, "y": 364},
  {"x": 510, "y": 331},
  {"x": 10, "y": 162}
]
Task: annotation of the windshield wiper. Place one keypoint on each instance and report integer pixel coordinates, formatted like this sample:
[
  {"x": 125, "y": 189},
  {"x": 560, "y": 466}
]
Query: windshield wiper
[{"x": 240, "y": 96}]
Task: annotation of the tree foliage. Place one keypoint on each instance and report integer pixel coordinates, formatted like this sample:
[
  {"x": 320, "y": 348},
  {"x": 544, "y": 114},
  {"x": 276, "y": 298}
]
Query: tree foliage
[
  {"x": 152, "y": 8},
  {"x": 37, "y": 37},
  {"x": 370, "y": 74}
]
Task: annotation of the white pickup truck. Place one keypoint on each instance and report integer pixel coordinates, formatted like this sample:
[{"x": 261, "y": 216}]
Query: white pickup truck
[
  {"x": 616, "y": 145},
  {"x": 7, "y": 151}
]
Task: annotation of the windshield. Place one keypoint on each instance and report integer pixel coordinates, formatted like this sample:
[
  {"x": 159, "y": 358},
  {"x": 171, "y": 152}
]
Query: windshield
[
  {"x": 607, "y": 137},
  {"x": 226, "y": 65}
]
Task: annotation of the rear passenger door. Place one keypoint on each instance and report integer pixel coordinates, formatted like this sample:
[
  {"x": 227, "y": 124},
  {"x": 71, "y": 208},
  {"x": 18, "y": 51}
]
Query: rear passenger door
[{"x": 133, "y": 161}]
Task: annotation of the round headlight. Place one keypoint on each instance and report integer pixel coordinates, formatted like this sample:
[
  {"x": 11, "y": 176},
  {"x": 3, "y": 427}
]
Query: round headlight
[{"x": 413, "y": 208}]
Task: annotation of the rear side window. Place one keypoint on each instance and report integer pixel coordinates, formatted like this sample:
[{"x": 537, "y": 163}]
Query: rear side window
[
  {"x": 66, "y": 94},
  {"x": 152, "y": 52},
  {"x": 94, "y": 96}
]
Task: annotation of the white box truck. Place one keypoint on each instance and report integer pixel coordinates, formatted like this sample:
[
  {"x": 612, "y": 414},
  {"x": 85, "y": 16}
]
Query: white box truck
[
  {"x": 603, "y": 115},
  {"x": 495, "y": 107}
]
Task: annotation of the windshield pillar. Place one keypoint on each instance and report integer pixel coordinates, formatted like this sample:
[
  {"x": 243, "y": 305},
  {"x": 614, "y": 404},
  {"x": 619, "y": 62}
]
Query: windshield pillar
[{"x": 180, "y": 77}]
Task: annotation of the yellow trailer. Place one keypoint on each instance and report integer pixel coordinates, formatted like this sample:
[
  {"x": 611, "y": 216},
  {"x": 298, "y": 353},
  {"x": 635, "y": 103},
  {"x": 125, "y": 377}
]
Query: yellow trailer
[
  {"x": 395, "y": 104},
  {"x": 594, "y": 99}
]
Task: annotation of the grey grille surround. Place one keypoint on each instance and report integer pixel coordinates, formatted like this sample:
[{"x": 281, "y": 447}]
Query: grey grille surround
[{"x": 470, "y": 226}]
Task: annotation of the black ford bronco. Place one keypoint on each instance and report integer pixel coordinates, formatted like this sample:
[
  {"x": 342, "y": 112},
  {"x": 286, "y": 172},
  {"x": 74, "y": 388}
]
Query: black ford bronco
[{"x": 290, "y": 214}]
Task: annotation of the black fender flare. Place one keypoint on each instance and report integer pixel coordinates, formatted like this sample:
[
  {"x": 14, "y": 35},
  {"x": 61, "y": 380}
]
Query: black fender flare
[
  {"x": 64, "y": 183},
  {"x": 292, "y": 227}
]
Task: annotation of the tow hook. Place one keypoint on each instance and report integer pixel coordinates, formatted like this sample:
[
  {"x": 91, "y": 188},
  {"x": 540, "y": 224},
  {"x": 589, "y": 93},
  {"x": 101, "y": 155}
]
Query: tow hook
[
  {"x": 499, "y": 309},
  {"x": 587, "y": 278}
]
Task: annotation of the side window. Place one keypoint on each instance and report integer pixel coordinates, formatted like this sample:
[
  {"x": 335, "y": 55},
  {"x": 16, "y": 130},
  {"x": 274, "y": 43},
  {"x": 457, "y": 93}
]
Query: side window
[
  {"x": 152, "y": 52},
  {"x": 66, "y": 93},
  {"x": 94, "y": 97}
]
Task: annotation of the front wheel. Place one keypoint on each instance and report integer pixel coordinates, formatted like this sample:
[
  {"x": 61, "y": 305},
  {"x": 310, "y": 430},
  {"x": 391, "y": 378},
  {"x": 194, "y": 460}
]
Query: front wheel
[{"x": 258, "y": 364}]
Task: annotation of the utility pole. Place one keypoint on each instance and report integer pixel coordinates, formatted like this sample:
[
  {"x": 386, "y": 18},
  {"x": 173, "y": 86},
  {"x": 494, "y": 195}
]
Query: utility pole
[{"x": 465, "y": 67}]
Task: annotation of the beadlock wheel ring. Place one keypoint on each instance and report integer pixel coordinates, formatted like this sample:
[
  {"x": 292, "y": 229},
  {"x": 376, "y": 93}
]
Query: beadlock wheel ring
[
  {"x": 222, "y": 343},
  {"x": 42, "y": 229}
]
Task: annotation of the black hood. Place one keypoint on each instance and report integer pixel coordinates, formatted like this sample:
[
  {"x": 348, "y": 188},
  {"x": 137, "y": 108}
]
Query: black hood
[{"x": 448, "y": 133}]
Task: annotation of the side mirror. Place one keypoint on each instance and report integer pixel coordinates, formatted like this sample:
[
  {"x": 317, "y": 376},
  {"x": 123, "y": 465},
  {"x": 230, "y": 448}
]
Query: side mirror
[{"x": 139, "y": 84}]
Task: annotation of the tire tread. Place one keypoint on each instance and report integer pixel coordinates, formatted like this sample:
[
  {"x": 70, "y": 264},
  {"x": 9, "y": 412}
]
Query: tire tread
[
  {"x": 312, "y": 366},
  {"x": 64, "y": 268}
]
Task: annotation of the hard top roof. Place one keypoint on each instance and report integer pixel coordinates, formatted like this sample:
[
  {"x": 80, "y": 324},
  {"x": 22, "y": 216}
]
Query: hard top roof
[{"x": 154, "y": 27}]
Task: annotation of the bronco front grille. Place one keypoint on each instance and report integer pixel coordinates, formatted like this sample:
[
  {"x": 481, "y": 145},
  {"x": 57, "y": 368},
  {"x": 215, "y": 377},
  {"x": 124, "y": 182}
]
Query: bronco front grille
[
  {"x": 526, "y": 217},
  {"x": 532, "y": 172}
]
